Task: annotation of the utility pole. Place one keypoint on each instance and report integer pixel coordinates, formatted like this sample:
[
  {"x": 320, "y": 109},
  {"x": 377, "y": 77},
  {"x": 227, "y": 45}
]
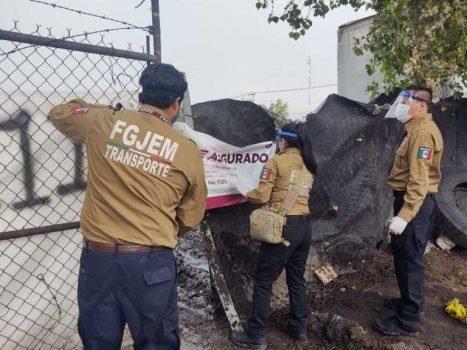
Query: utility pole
[
  {"x": 308, "y": 61},
  {"x": 156, "y": 28}
]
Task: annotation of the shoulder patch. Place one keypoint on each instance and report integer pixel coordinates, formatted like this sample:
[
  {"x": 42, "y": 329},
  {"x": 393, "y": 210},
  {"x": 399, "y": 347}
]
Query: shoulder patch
[
  {"x": 266, "y": 174},
  {"x": 425, "y": 153},
  {"x": 80, "y": 111}
]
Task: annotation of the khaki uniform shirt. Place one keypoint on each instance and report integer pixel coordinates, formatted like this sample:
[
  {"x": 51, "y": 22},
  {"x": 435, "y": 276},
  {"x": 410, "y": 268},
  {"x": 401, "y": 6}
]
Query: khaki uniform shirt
[
  {"x": 416, "y": 168},
  {"x": 145, "y": 180},
  {"x": 278, "y": 175}
]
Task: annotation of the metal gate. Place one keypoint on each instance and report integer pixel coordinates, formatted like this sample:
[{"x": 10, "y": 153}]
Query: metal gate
[{"x": 43, "y": 176}]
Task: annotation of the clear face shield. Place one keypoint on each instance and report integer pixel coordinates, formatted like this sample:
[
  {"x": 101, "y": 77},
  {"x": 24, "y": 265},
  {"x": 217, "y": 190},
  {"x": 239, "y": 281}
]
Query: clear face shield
[{"x": 400, "y": 108}]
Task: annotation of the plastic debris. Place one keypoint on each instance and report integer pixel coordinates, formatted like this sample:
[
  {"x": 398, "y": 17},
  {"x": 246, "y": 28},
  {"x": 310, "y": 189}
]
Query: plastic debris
[
  {"x": 445, "y": 243},
  {"x": 326, "y": 273},
  {"x": 429, "y": 247},
  {"x": 456, "y": 310}
]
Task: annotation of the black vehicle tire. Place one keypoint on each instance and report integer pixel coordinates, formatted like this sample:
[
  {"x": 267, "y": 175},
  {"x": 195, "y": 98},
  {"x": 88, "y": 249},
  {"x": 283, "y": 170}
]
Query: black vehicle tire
[{"x": 451, "y": 203}]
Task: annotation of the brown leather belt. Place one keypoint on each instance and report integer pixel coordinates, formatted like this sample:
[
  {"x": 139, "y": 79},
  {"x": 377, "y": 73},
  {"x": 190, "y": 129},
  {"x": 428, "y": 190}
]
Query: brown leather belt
[{"x": 120, "y": 248}]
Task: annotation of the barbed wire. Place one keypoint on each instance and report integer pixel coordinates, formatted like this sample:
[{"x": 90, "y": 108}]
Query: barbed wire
[
  {"x": 91, "y": 14},
  {"x": 85, "y": 34}
]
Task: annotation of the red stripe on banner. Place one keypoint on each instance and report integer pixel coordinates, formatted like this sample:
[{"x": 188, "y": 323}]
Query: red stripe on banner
[{"x": 224, "y": 201}]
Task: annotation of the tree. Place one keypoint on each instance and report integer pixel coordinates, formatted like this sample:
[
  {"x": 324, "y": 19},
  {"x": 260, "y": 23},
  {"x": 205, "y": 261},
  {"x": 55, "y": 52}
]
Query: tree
[
  {"x": 411, "y": 41},
  {"x": 279, "y": 108}
]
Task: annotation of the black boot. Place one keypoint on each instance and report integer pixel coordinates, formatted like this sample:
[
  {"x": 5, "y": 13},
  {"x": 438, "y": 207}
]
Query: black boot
[
  {"x": 299, "y": 336},
  {"x": 243, "y": 339},
  {"x": 391, "y": 326}
]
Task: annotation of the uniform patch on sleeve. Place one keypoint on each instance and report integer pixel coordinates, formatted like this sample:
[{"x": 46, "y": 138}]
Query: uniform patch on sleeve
[
  {"x": 266, "y": 174},
  {"x": 79, "y": 111},
  {"x": 425, "y": 152}
]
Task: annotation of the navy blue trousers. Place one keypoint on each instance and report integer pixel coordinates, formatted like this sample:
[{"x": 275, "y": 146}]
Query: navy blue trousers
[
  {"x": 408, "y": 249},
  {"x": 272, "y": 259},
  {"x": 135, "y": 288}
]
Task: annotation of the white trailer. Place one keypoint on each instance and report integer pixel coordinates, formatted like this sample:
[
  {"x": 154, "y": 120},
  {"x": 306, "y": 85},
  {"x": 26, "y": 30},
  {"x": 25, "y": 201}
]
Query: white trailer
[{"x": 352, "y": 78}]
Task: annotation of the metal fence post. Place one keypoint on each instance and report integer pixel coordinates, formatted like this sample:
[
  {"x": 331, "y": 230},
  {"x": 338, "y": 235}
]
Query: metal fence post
[{"x": 156, "y": 28}]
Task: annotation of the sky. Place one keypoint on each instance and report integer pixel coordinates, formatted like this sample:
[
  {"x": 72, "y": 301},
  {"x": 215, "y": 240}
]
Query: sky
[{"x": 226, "y": 48}]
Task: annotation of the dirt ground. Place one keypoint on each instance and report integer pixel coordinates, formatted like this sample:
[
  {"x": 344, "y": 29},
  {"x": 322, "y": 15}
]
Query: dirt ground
[{"x": 341, "y": 313}]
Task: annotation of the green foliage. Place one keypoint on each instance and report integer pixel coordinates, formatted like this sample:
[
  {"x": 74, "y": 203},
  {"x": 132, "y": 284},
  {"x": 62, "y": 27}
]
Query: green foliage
[
  {"x": 297, "y": 13},
  {"x": 411, "y": 41},
  {"x": 279, "y": 108}
]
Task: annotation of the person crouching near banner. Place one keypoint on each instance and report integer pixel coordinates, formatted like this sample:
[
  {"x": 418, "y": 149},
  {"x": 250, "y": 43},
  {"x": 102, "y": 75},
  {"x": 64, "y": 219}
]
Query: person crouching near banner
[
  {"x": 145, "y": 186},
  {"x": 279, "y": 174}
]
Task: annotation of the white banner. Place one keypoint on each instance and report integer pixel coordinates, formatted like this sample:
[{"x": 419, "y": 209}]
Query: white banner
[{"x": 223, "y": 161}]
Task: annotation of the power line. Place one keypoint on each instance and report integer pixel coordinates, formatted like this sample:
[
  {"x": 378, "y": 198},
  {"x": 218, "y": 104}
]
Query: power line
[
  {"x": 90, "y": 14},
  {"x": 286, "y": 90}
]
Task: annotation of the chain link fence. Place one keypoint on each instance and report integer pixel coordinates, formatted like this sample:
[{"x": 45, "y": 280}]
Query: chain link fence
[{"x": 43, "y": 175}]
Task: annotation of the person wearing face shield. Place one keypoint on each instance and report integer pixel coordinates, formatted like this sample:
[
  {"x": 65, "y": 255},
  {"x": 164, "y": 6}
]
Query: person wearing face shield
[
  {"x": 414, "y": 177},
  {"x": 280, "y": 173}
]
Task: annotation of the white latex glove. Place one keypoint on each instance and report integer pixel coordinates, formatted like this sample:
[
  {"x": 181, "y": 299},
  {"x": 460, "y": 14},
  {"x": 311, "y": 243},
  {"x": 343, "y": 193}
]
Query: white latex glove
[
  {"x": 243, "y": 189},
  {"x": 396, "y": 225}
]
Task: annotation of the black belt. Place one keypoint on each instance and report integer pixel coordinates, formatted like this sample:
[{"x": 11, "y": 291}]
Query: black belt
[
  {"x": 297, "y": 219},
  {"x": 120, "y": 248}
]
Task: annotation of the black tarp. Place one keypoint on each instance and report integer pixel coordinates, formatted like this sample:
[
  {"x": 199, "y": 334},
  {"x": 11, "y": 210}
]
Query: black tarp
[
  {"x": 353, "y": 149},
  {"x": 350, "y": 201}
]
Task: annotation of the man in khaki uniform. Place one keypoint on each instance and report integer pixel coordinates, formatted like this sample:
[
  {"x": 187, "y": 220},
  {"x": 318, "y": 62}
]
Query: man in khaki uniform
[
  {"x": 414, "y": 177},
  {"x": 145, "y": 186}
]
